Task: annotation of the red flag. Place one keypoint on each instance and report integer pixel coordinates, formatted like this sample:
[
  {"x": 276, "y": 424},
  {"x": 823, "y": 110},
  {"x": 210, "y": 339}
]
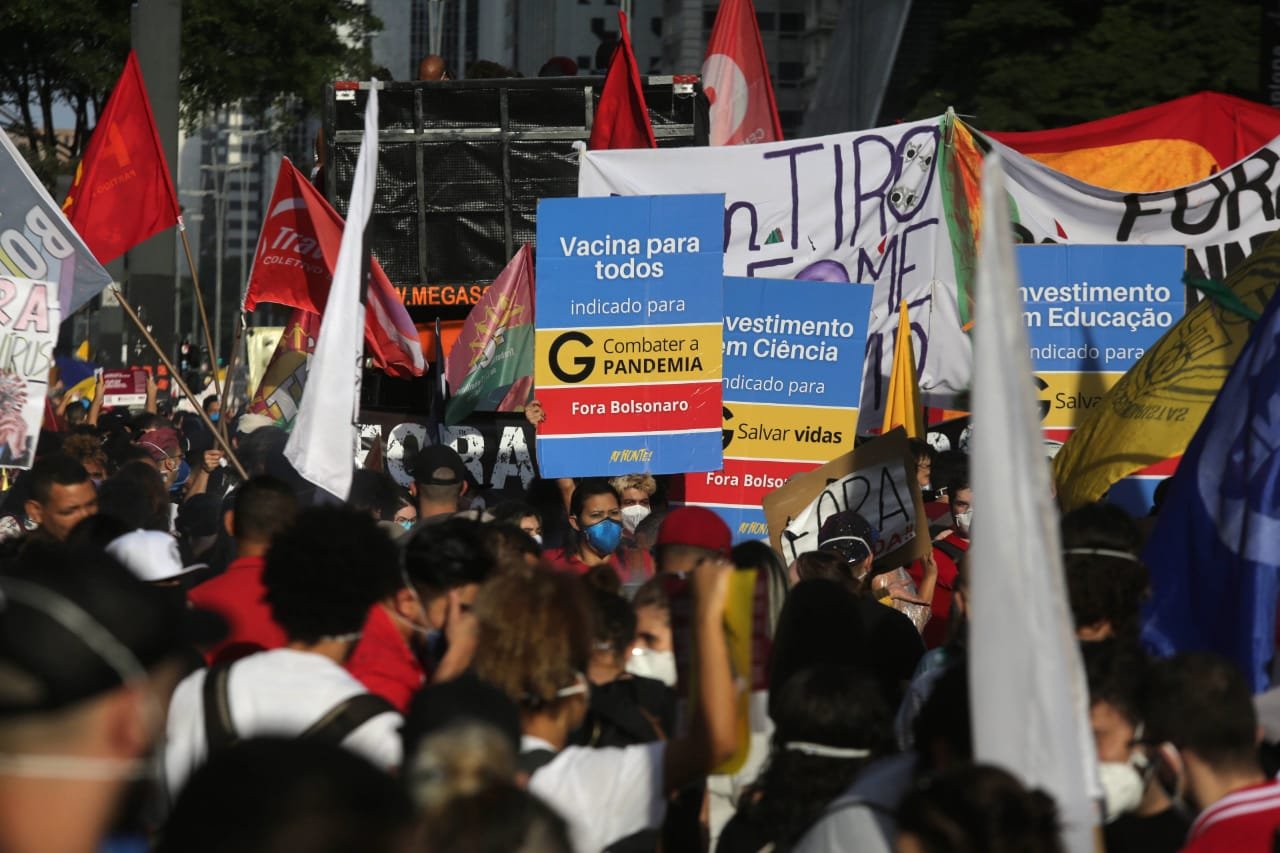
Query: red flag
[
  {"x": 735, "y": 76},
  {"x": 122, "y": 193},
  {"x": 622, "y": 119},
  {"x": 293, "y": 265}
]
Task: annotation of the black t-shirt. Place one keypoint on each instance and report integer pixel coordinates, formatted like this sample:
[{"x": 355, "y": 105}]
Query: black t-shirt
[{"x": 1160, "y": 833}]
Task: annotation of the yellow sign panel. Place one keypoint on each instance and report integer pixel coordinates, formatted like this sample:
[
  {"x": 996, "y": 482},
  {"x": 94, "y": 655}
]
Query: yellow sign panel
[
  {"x": 637, "y": 355},
  {"x": 802, "y": 433},
  {"x": 1066, "y": 398}
]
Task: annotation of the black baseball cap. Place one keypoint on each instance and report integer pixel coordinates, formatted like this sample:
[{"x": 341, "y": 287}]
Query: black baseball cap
[
  {"x": 74, "y": 623},
  {"x": 849, "y": 535},
  {"x": 432, "y": 459}
]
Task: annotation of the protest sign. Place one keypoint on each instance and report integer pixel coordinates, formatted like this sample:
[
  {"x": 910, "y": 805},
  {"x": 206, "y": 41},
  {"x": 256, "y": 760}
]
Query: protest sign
[
  {"x": 847, "y": 207},
  {"x": 1091, "y": 312},
  {"x": 29, "y": 317},
  {"x": 124, "y": 387},
  {"x": 37, "y": 242},
  {"x": 876, "y": 480},
  {"x": 496, "y": 448},
  {"x": 627, "y": 347},
  {"x": 793, "y": 354}
]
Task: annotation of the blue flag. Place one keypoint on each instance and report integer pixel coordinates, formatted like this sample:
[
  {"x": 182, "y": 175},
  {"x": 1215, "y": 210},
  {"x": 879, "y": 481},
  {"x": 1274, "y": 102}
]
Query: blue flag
[{"x": 1214, "y": 554}]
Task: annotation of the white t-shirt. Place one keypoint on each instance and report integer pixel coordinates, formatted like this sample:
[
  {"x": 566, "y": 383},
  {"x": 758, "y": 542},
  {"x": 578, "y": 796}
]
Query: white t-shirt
[
  {"x": 279, "y": 692},
  {"x": 605, "y": 794}
]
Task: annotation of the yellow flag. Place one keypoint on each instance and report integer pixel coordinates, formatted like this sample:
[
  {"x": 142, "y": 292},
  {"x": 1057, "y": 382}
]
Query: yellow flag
[
  {"x": 902, "y": 408},
  {"x": 1152, "y": 412},
  {"x": 82, "y": 351}
]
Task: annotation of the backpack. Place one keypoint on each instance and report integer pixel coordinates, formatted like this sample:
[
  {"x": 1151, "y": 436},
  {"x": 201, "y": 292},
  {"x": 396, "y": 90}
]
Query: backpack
[{"x": 332, "y": 727}]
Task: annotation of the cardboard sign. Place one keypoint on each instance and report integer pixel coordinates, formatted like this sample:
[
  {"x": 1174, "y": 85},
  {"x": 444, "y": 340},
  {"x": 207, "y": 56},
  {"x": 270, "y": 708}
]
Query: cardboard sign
[
  {"x": 876, "y": 480},
  {"x": 627, "y": 348},
  {"x": 793, "y": 353},
  {"x": 124, "y": 387}
]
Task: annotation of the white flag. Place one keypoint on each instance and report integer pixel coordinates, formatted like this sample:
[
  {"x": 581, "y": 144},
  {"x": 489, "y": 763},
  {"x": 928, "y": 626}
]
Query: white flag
[
  {"x": 322, "y": 444},
  {"x": 1028, "y": 693}
]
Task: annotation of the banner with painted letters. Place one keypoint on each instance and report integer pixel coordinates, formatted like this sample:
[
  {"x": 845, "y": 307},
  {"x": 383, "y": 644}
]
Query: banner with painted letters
[
  {"x": 29, "y": 316},
  {"x": 898, "y": 207},
  {"x": 877, "y": 480}
]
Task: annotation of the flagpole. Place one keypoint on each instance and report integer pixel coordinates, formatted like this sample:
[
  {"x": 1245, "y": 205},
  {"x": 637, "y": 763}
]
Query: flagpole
[
  {"x": 177, "y": 378},
  {"x": 204, "y": 316},
  {"x": 232, "y": 364}
]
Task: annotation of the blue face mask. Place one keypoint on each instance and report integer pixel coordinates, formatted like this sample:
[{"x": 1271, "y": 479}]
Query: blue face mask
[
  {"x": 214, "y": 416},
  {"x": 184, "y": 472},
  {"x": 408, "y": 523},
  {"x": 604, "y": 536}
]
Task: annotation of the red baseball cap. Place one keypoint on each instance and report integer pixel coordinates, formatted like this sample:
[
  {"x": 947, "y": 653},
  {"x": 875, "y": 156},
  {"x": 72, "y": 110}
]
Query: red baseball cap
[{"x": 696, "y": 527}]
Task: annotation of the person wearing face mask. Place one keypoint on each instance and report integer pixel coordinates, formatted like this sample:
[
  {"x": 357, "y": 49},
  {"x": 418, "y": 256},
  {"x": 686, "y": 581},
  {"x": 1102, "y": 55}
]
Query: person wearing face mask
[
  {"x": 595, "y": 515},
  {"x": 653, "y": 652},
  {"x": 949, "y": 547},
  {"x": 535, "y": 643},
  {"x": 90, "y": 657},
  {"x": 1138, "y": 815},
  {"x": 213, "y": 407},
  {"x": 428, "y": 617},
  {"x": 636, "y": 492}
]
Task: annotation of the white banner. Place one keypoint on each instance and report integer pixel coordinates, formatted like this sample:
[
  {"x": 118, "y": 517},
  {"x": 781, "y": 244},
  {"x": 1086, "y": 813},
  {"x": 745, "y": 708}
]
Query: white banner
[
  {"x": 29, "y": 317},
  {"x": 863, "y": 207},
  {"x": 870, "y": 207}
]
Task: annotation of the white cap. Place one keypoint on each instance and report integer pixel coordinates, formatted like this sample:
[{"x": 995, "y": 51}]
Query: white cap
[
  {"x": 252, "y": 421},
  {"x": 152, "y": 555}
]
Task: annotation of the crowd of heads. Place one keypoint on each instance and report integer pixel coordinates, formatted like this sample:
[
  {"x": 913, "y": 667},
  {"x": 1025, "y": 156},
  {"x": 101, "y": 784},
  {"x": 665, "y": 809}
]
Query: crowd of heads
[{"x": 516, "y": 665}]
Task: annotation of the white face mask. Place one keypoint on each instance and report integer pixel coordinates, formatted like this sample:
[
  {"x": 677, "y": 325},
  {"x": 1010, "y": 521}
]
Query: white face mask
[
  {"x": 650, "y": 664},
  {"x": 633, "y": 515},
  {"x": 963, "y": 520},
  {"x": 537, "y": 537},
  {"x": 1122, "y": 788}
]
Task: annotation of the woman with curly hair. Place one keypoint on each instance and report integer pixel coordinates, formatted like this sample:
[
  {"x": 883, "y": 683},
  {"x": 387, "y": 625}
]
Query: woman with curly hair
[
  {"x": 831, "y": 722},
  {"x": 534, "y": 643}
]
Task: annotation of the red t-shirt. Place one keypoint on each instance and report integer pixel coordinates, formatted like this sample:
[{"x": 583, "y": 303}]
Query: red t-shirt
[
  {"x": 383, "y": 662},
  {"x": 238, "y": 596},
  {"x": 1246, "y": 819},
  {"x": 935, "y": 630},
  {"x": 568, "y": 560}
]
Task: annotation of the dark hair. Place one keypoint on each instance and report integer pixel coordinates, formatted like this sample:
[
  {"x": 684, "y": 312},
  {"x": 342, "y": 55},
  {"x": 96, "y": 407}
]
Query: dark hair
[
  {"x": 979, "y": 809},
  {"x": 97, "y": 532},
  {"x": 754, "y": 554},
  {"x": 326, "y": 570},
  {"x": 136, "y": 495},
  {"x": 263, "y": 507},
  {"x": 1202, "y": 703},
  {"x": 512, "y": 512},
  {"x": 652, "y": 593},
  {"x": 603, "y": 578},
  {"x": 506, "y": 543},
  {"x": 445, "y": 556},
  {"x": 262, "y": 449},
  {"x": 496, "y": 820},
  {"x": 825, "y": 565},
  {"x": 56, "y": 469},
  {"x": 942, "y": 731},
  {"x": 588, "y": 488},
  {"x": 921, "y": 450},
  {"x": 819, "y": 624},
  {"x": 1101, "y": 587},
  {"x": 208, "y": 402},
  {"x": 286, "y": 794},
  {"x": 1116, "y": 671},
  {"x": 614, "y": 621},
  {"x": 373, "y": 492},
  {"x": 828, "y": 705},
  {"x": 951, "y": 469}
]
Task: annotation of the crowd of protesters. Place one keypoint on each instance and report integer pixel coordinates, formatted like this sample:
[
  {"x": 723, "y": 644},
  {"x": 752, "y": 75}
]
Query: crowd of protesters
[{"x": 192, "y": 660}]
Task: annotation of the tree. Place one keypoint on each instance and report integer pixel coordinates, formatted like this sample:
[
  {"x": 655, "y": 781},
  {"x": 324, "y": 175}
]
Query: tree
[
  {"x": 68, "y": 52},
  {"x": 1049, "y": 63},
  {"x": 270, "y": 59}
]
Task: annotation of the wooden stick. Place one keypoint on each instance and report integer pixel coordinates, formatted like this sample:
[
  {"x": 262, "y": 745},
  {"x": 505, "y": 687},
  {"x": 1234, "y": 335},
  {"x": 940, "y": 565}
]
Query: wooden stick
[
  {"x": 182, "y": 386},
  {"x": 232, "y": 363},
  {"x": 204, "y": 316}
]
